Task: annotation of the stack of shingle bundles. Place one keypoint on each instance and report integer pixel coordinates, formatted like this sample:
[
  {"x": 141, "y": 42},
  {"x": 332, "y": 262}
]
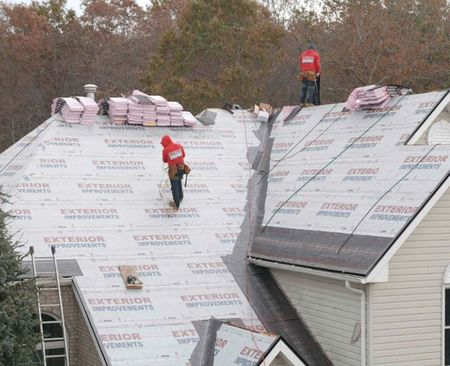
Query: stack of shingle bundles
[
  {"x": 176, "y": 114},
  {"x": 135, "y": 111},
  {"x": 368, "y": 97},
  {"x": 118, "y": 110},
  {"x": 162, "y": 110},
  {"x": 148, "y": 108},
  {"x": 89, "y": 114},
  {"x": 69, "y": 108},
  {"x": 188, "y": 119}
]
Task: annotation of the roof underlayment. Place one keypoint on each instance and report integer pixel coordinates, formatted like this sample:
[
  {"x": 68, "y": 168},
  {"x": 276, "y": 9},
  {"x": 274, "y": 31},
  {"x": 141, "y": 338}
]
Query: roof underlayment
[
  {"x": 100, "y": 194},
  {"x": 339, "y": 186}
]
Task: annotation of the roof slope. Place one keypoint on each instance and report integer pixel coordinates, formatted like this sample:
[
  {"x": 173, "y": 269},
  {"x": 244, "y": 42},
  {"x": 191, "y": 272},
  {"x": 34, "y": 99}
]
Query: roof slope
[
  {"x": 341, "y": 186},
  {"x": 100, "y": 195}
]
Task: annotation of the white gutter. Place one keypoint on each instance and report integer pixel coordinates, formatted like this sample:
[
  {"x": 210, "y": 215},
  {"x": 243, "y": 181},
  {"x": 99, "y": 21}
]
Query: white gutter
[
  {"x": 311, "y": 271},
  {"x": 363, "y": 320}
]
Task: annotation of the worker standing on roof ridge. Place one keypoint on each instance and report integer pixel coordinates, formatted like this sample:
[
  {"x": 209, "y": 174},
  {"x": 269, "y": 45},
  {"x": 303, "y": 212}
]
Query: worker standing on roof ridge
[
  {"x": 173, "y": 154},
  {"x": 309, "y": 64}
]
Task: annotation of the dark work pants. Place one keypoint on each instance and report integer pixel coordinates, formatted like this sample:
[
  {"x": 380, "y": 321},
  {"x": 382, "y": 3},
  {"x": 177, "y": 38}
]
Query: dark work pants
[
  {"x": 176, "y": 185},
  {"x": 307, "y": 91}
]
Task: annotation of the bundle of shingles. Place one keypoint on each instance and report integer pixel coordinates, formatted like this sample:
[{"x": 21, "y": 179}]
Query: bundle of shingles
[
  {"x": 176, "y": 114},
  {"x": 188, "y": 119},
  {"x": 118, "y": 110},
  {"x": 90, "y": 110},
  {"x": 162, "y": 110},
  {"x": 147, "y": 106},
  {"x": 69, "y": 108},
  {"x": 368, "y": 97},
  {"x": 135, "y": 111}
]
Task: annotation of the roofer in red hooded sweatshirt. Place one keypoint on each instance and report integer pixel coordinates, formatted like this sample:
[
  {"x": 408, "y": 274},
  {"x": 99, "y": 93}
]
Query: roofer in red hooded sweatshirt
[
  {"x": 173, "y": 154},
  {"x": 309, "y": 64}
]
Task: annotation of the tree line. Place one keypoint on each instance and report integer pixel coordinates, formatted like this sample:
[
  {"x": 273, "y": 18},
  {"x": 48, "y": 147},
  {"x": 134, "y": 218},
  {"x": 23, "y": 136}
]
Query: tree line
[{"x": 204, "y": 53}]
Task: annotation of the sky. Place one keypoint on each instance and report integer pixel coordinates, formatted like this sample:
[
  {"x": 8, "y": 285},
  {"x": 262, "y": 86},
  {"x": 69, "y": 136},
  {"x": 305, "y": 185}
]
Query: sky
[{"x": 74, "y": 4}]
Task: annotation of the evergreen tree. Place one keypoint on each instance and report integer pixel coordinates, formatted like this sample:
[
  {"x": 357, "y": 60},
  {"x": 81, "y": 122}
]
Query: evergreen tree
[{"x": 18, "y": 337}]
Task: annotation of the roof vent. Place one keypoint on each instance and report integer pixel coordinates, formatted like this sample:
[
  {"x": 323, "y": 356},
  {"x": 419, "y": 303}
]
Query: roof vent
[
  {"x": 90, "y": 90},
  {"x": 439, "y": 133}
]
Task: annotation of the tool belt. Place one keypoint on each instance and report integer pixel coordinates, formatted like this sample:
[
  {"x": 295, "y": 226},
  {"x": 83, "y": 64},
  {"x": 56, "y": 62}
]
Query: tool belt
[
  {"x": 177, "y": 171},
  {"x": 309, "y": 75}
]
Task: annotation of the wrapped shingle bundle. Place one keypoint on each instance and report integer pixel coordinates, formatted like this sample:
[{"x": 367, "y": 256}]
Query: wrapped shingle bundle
[
  {"x": 368, "y": 97},
  {"x": 162, "y": 110},
  {"x": 148, "y": 108},
  {"x": 89, "y": 114},
  {"x": 135, "y": 111},
  {"x": 176, "y": 115},
  {"x": 118, "y": 110},
  {"x": 69, "y": 108},
  {"x": 163, "y": 120},
  {"x": 188, "y": 119}
]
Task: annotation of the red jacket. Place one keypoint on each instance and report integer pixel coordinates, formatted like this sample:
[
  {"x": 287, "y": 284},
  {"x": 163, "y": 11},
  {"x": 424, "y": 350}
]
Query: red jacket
[
  {"x": 309, "y": 60},
  {"x": 173, "y": 153}
]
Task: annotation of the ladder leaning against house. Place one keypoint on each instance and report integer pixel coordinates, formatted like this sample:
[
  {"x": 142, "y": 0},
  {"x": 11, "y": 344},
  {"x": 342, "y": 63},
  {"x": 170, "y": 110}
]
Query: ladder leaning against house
[{"x": 56, "y": 286}]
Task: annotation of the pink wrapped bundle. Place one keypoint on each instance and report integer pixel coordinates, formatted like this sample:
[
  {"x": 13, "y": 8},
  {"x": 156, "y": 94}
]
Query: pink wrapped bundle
[
  {"x": 135, "y": 111},
  {"x": 368, "y": 97},
  {"x": 71, "y": 110},
  {"x": 118, "y": 110},
  {"x": 189, "y": 119},
  {"x": 89, "y": 115},
  {"x": 175, "y": 107}
]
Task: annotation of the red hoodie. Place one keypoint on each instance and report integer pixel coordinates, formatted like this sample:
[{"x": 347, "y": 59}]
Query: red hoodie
[
  {"x": 309, "y": 61},
  {"x": 173, "y": 153}
]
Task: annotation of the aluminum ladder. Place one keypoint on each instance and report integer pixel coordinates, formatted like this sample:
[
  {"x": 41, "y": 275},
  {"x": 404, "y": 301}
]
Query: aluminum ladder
[{"x": 50, "y": 275}]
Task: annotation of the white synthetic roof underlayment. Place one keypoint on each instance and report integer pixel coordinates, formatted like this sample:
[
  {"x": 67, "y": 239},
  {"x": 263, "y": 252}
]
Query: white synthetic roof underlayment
[
  {"x": 100, "y": 194},
  {"x": 350, "y": 172}
]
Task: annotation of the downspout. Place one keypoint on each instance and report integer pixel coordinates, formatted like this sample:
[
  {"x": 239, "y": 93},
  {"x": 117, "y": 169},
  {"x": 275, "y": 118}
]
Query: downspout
[{"x": 349, "y": 287}]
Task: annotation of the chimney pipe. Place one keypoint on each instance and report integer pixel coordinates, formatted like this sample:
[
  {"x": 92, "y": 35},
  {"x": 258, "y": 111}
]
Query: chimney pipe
[{"x": 90, "y": 90}]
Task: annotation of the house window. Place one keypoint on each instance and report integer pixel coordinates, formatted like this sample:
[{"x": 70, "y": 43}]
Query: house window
[
  {"x": 53, "y": 348},
  {"x": 447, "y": 327}
]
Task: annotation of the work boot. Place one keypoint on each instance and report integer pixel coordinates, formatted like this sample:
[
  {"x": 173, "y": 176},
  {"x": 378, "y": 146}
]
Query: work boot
[
  {"x": 173, "y": 205},
  {"x": 309, "y": 104}
]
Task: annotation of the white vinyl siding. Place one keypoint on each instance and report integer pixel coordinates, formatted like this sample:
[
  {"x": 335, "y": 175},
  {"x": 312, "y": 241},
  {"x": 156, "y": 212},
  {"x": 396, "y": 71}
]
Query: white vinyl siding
[
  {"x": 406, "y": 312},
  {"x": 329, "y": 310}
]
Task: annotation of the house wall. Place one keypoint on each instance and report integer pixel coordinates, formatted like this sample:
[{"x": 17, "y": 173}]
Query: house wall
[
  {"x": 329, "y": 310},
  {"x": 82, "y": 349},
  {"x": 405, "y": 313}
]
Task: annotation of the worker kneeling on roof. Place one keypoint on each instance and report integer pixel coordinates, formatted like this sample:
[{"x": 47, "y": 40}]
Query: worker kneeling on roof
[
  {"x": 309, "y": 63},
  {"x": 173, "y": 154}
]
